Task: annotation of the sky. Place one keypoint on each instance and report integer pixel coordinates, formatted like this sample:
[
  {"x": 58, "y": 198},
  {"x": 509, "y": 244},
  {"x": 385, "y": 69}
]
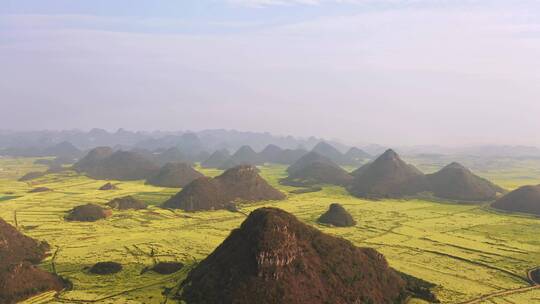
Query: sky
[{"x": 392, "y": 72}]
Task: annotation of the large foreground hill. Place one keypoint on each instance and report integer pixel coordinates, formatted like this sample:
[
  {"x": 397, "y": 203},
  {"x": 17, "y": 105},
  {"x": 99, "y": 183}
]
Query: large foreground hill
[
  {"x": 19, "y": 277},
  {"x": 275, "y": 258}
]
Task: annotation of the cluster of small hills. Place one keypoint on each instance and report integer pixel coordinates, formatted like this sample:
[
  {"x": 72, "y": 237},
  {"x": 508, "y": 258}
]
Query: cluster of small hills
[
  {"x": 33, "y": 143},
  {"x": 49, "y": 143},
  {"x": 163, "y": 168},
  {"x": 389, "y": 176},
  {"x": 94, "y": 212},
  {"x": 241, "y": 183},
  {"x": 104, "y": 163},
  {"x": 245, "y": 155},
  {"x": 272, "y": 257}
]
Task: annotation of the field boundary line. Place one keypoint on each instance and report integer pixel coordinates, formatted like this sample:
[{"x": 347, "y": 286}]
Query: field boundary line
[
  {"x": 508, "y": 272},
  {"x": 501, "y": 293}
]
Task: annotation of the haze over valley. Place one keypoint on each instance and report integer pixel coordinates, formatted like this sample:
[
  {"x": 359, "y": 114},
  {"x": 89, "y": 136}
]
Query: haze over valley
[{"x": 269, "y": 152}]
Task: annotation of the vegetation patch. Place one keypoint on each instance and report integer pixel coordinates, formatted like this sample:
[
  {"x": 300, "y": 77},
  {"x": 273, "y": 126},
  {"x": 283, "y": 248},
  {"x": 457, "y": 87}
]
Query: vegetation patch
[
  {"x": 104, "y": 268},
  {"x": 88, "y": 213},
  {"x": 8, "y": 197},
  {"x": 167, "y": 267}
]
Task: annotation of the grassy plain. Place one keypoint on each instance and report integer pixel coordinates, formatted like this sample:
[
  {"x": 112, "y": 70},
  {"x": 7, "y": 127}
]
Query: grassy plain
[{"x": 468, "y": 250}]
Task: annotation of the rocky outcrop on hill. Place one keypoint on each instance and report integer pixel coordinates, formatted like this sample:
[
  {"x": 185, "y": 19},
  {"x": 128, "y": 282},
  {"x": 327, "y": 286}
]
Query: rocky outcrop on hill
[{"x": 275, "y": 258}]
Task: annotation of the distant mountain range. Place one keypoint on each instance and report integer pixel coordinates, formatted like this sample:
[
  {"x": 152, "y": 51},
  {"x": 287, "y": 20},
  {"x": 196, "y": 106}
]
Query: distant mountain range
[
  {"x": 73, "y": 143},
  {"x": 209, "y": 140}
]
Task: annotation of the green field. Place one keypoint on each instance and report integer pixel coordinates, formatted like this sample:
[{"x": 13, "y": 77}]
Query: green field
[{"x": 468, "y": 250}]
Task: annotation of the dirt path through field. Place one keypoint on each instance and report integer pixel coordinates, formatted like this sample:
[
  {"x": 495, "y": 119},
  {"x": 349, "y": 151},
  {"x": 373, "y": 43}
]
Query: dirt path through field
[{"x": 534, "y": 285}]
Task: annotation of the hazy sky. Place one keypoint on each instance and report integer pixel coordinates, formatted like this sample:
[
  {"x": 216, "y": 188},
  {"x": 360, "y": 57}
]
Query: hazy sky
[{"x": 387, "y": 71}]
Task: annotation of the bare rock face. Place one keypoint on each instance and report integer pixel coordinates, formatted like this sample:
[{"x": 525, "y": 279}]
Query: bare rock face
[
  {"x": 524, "y": 200},
  {"x": 387, "y": 177},
  {"x": 88, "y": 213},
  {"x": 242, "y": 183},
  {"x": 337, "y": 216},
  {"x": 275, "y": 258},
  {"x": 20, "y": 278},
  {"x": 174, "y": 175}
]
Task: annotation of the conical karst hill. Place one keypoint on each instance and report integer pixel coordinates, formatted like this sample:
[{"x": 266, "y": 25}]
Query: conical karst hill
[
  {"x": 241, "y": 183},
  {"x": 387, "y": 177},
  {"x": 275, "y": 258}
]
